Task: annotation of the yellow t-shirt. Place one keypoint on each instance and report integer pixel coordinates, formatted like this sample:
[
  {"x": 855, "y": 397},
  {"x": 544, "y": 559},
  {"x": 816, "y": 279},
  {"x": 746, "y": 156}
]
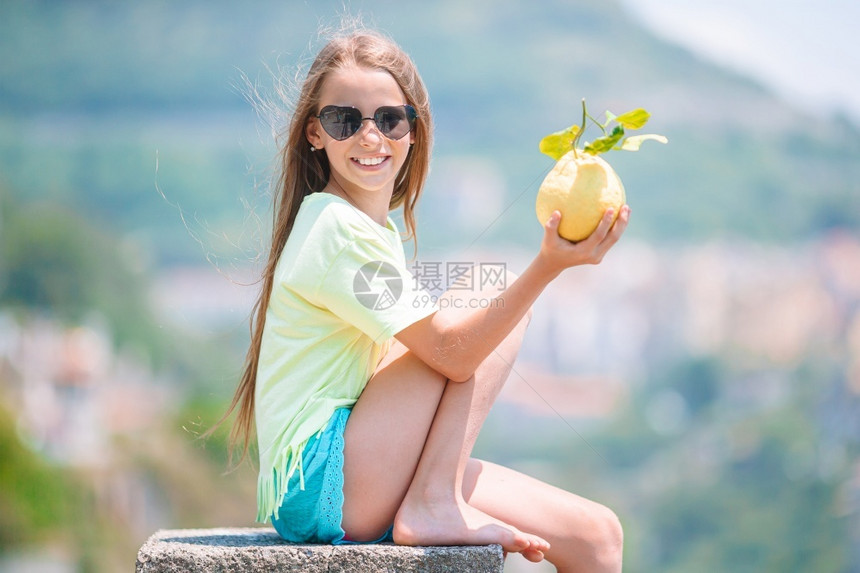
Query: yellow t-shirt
[{"x": 341, "y": 291}]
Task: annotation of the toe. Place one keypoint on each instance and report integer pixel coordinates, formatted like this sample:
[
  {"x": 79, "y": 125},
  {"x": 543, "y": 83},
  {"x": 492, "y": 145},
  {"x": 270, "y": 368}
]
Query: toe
[{"x": 539, "y": 544}]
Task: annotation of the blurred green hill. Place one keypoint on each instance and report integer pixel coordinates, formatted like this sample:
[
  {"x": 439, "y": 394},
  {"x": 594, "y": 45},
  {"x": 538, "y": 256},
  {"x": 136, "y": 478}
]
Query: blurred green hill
[{"x": 100, "y": 103}]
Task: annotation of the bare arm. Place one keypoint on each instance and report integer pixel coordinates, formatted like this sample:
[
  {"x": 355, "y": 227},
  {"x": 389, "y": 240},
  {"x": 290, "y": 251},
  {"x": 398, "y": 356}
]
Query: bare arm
[{"x": 455, "y": 346}]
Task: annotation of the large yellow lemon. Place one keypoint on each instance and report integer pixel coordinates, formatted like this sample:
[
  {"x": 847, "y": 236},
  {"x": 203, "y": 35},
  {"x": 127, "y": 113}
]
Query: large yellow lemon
[{"x": 582, "y": 187}]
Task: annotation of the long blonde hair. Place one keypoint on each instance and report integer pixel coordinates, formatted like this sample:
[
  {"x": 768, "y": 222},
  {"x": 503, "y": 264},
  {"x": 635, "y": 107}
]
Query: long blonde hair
[{"x": 302, "y": 172}]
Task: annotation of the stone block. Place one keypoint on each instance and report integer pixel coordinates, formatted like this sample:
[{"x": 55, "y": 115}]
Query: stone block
[{"x": 251, "y": 549}]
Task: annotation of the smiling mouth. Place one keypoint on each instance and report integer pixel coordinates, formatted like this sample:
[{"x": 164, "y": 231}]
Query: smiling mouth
[{"x": 369, "y": 161}]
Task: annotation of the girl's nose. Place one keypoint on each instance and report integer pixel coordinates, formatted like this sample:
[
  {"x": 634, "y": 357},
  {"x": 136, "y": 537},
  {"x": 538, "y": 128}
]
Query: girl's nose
[{"x": 369, "y": 132}]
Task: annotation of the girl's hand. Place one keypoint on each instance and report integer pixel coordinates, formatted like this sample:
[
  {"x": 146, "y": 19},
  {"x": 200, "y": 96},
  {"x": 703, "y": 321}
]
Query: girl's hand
[{"x": 559, "y": 253}]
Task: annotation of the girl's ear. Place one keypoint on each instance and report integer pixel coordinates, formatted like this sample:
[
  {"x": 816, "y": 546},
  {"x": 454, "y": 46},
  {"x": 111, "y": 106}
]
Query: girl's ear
[{"x": 312, "y": 133}]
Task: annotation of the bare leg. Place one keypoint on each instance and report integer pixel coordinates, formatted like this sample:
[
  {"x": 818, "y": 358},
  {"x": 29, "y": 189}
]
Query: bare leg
[
  {"x": 584, "y": 535},
  {"x": 408, "y": 440},
  {"x": 384, "y": 438},
  {"x": 434, "y": 511}
]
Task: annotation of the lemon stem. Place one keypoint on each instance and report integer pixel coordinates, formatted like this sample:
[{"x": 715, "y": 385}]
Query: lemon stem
[{"x": 581, "y": 129}]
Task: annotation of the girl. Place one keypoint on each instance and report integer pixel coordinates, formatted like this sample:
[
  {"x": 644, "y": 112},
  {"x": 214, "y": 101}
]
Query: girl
[{"x": 367, "y": 401}]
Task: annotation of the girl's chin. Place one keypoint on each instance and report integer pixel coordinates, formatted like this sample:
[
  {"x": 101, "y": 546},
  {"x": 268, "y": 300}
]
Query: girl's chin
[
  {"x": 373, "y": 179},
  {"x": 369, "y": 184}
]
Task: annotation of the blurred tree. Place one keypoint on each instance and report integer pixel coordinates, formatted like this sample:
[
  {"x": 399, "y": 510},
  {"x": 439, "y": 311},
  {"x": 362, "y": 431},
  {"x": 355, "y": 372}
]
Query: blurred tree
[
  {"x": 34, "y": 501},
  {"x": 57, "y": 264}
]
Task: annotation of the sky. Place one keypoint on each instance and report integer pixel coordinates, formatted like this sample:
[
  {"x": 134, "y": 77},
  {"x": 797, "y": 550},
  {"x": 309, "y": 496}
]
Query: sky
[{"x": 807, "y": 51}]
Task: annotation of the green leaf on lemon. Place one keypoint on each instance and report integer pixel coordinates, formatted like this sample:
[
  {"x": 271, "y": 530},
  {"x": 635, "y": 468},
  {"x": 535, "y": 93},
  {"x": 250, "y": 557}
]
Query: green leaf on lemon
[
  {"x": 557, "y": 144},
  {"x": 633, "y": 142},
  {"x": 605, "y": 143},
  {"x": 635, "y": 119}
]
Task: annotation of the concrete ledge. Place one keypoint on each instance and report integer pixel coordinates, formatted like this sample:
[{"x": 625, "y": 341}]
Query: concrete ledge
[{"x": 230, "y": 550}]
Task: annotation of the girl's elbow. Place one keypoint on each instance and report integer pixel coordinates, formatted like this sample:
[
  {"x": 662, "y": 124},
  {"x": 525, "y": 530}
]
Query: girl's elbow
[
  {"x": 461, "y": 375},
  {"x": 456, "y": 370},
  {"x": 449, "y": 358}
]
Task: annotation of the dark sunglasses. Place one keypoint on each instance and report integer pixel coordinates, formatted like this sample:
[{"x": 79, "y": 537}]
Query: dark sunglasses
[{"x": 392, "y": 121}]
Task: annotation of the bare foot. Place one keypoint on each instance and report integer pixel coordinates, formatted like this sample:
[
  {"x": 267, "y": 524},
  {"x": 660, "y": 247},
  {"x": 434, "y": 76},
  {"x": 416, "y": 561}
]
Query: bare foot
[{"x": 458, "y": 523}]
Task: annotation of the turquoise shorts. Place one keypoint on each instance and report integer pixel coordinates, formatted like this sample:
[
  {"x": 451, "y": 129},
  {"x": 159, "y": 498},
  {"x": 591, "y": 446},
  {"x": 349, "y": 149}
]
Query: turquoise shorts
[{"x": 314, "y": 514}]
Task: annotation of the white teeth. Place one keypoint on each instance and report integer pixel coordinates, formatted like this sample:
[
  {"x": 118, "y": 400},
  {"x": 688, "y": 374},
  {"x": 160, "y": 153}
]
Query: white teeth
[{"x": 370, "y": 160}]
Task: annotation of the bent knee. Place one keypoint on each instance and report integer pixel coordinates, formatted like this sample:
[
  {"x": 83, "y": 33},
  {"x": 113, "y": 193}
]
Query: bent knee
[
  {"x": 593, "y": 540},
  {"x": 607, "y": 538}
]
